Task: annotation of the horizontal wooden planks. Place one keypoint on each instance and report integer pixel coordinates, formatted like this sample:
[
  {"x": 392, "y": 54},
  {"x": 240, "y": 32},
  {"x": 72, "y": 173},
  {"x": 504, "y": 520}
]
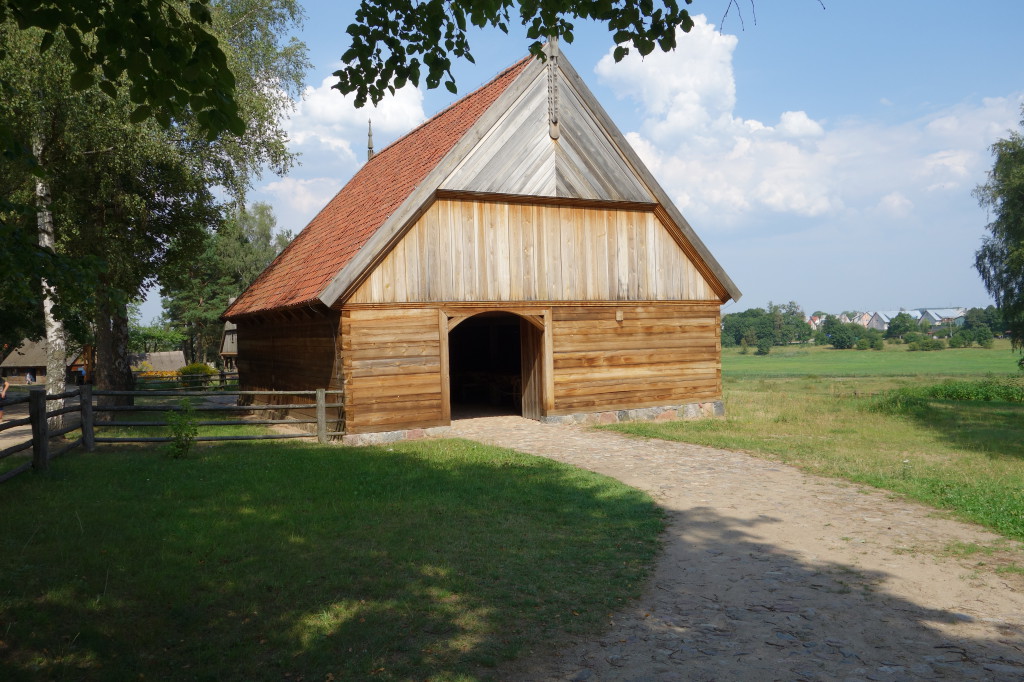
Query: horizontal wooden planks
[
  {"x": 391, "y": 360},
  {"x": 621, "y": 358},
  {"x": 486, "y": 250}
]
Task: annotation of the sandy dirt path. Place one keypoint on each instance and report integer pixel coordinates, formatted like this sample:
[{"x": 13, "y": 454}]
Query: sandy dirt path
[{"x": 769, "y": 573}]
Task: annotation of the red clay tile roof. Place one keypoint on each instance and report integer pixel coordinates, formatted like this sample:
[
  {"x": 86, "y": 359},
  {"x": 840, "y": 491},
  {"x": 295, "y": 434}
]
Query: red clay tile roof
[{"x": 304, "y": 269}]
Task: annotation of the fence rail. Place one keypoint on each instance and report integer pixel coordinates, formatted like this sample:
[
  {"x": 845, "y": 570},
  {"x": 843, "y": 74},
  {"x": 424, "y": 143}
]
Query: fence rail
[{"x": 40, "y": 420}]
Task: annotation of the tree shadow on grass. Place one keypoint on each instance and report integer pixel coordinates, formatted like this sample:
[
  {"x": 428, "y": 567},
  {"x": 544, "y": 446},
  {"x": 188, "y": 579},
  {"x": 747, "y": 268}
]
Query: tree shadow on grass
[
  {"x": 725, "y": 605},
  {"x": 995, "y": 429},
  {"x": 301, "y": 562}
]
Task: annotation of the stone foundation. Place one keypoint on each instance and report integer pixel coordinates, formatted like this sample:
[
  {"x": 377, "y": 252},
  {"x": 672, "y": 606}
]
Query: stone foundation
[
  {"x": 384, "y": 437},
  {"x": 714, "y": 408}
]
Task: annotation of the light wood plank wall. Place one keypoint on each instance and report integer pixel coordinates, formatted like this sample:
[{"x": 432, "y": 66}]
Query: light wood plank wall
[
  {"x": 392, "y": 365},
  {"x": 463, "y": 250},
  {"x": 656, "y": 355}
]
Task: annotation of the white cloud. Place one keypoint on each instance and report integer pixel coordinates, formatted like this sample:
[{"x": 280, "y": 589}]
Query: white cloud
[
  {"x": 731, "y": 172},
  {"x": 798, "y": 124},
  {"x": 296, "y": 201},
  {"x": 327, "y": 119},
  {"x": 329, "y": 133},
  {"x": 694, "y": 84},
  {"x": 896, "y": 205}
]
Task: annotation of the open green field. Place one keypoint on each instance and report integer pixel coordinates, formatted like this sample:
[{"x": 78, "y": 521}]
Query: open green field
[
  {"x": 826, "y": 412},
  {"x": 431, "y": 560},
  {"x": 894, "y": 361}
]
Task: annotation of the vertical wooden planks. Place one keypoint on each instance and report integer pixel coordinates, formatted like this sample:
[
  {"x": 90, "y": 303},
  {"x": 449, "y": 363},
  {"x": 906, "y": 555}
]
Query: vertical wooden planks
[
  {"x": 499, "y": 216},
  {"x": 462, "y": 250},
  {"x": 531, "y": 351},
  {"x": 518, "y": 284},
  {"x": 538, "y": 264}
]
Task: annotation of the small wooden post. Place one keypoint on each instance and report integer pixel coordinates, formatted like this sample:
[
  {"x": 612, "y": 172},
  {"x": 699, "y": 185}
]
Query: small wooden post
[
  {"x": 321, "y": 415},
  {"x": 85, "y": 402},
  {"x": 40, "y": 428}
]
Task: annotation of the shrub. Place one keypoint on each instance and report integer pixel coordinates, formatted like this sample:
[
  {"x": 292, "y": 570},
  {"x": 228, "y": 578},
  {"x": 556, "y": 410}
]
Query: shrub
[
  {"x": 962, "y": 339},
  {"x": 913, "y": 337},
  {"x": 900, "y": 401},
  {"x": 878, "y": 344},
  {"x": 184, "y": 430},
  {"x": 983, "y": 336},
  {"x": 1002, "y": 390},
  {"x": 196, "y": 374},
  {"x": 764, "y": 347},
  {"x": 1010, "y": 390},
  {"x": 843, "y": 336},
  {"x": 927, "y": 344},
  {"x": 863, "y": 343}
]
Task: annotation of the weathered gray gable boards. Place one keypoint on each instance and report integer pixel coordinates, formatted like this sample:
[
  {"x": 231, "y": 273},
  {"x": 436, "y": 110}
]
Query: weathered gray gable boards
[{"x": 518, "y": 156}]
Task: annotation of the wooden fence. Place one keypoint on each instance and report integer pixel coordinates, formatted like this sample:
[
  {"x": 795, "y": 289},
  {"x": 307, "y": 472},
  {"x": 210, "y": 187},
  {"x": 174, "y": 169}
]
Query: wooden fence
[{"x": 39, "y": 418}]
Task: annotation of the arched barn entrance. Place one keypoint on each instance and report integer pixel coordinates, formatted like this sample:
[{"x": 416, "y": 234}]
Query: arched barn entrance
[{"x": 494, "y": 366}]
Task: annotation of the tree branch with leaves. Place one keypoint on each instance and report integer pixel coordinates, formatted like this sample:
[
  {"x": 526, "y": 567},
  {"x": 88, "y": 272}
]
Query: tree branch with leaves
[{"x": 394, "y": 42}]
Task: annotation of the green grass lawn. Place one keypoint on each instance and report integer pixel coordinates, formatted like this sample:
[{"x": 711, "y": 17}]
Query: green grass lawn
[
  {"x": 430, "y": 560},
  {"x": 817, "y": 408},
  {"x": 894, "y": 361}
]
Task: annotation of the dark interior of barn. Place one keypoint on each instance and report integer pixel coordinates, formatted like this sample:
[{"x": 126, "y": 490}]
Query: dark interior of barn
[{"x": 485, "y": 366}]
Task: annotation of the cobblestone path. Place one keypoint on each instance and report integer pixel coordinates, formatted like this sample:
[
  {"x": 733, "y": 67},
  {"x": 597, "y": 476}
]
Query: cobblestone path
[{"x": 769, "y": 573}]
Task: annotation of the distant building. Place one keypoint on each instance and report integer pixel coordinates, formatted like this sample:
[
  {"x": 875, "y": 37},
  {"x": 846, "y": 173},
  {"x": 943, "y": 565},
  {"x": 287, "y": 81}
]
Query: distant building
[
  {"x": 162, "y": 361},
  {"x": 27, "y": 363},
  {"x": 944, "y": 317},
  {"x": 229, "y": 346},
  {"x": 863, "y": 319},
  {"x": 881, "y": 319}
]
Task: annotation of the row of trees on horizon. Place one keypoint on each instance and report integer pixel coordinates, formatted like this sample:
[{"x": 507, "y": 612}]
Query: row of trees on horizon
[{"x": 784, "y": 324}]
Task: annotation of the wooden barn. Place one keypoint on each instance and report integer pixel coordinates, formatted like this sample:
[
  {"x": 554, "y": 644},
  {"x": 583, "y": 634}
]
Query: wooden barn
[{"x": 512, "y": 253}]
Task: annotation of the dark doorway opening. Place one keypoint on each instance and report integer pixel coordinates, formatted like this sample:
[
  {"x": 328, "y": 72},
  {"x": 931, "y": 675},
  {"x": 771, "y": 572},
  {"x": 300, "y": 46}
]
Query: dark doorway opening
[{"x": 485, "y": 365}]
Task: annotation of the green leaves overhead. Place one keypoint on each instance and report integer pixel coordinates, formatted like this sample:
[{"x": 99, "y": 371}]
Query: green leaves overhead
[
  {"x": 391, "y": 39},
  {"x": 166, "y": 49}
]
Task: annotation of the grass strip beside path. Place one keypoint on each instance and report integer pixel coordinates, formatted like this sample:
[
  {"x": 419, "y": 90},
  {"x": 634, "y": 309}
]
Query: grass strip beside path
[
  {"x": 962, "y": 456},
  {"x": 427, "y": 560}
]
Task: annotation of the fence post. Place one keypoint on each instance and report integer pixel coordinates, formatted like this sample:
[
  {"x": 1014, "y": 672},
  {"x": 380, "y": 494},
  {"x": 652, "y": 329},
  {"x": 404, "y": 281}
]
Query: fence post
[
  {"x": 85, "y": 403},
  {"x": 321, "y": 415},
  {"x": 40, "y": 428}
]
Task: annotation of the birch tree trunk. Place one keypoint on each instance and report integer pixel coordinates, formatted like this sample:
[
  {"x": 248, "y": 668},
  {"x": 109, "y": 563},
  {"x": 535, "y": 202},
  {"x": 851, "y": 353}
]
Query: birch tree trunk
[{"x": 56, "y": 351}]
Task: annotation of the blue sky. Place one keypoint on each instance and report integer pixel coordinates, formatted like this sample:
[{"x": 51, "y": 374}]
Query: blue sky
[{"x": 824, "y": 154}]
